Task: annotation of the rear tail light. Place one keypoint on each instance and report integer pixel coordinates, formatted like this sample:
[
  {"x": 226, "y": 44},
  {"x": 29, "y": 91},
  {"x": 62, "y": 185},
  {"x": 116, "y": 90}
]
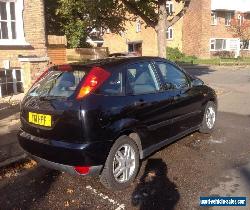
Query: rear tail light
[
  {"x": 83, "y": 170},
  {"x": 96, "y": 77}
]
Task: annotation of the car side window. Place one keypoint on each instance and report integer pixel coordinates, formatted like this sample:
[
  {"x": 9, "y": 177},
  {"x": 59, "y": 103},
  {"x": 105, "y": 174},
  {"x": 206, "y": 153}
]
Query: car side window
[
  {"x": 141, "y": 79},
  {"x": 113, "y": 86},
  {"x": 173, "y": 76}
]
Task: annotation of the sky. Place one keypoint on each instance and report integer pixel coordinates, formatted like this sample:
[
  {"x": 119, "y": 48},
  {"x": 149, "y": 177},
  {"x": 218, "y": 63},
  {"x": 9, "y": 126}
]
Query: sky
[{"x": 239, "y": 5}]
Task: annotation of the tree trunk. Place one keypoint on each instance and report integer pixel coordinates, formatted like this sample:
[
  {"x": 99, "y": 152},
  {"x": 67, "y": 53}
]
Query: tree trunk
[{"x": 161, "y": 29}]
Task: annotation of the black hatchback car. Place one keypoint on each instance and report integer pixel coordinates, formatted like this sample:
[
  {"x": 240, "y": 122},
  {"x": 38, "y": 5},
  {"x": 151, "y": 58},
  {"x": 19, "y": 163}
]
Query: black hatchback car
[{"x": 104, "y": 117}]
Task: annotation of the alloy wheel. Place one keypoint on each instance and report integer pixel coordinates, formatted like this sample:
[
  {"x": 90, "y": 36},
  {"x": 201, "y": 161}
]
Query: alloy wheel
[
  {"x": 210, "y": 117},
  {"x": 124, "y": 163}
]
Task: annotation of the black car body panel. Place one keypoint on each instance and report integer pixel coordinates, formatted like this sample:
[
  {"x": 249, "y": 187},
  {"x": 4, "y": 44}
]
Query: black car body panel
[
  {"x": 83, "y": 131},
  {"x": 66, "y": 124},
  {"x": 65, "y": 153}
]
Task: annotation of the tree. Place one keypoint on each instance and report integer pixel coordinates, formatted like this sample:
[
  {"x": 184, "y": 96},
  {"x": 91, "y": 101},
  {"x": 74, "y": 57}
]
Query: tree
[
  {"x": 82, "y": 16},
  {"x": 59, "y": 23},
  {"x": 53, "y": 22},
  {"x": 154, "y": 14},
  {"x": 240, "y": 28}
]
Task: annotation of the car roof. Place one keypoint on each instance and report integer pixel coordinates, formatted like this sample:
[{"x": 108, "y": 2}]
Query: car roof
[{"x": 113, "y": 61}]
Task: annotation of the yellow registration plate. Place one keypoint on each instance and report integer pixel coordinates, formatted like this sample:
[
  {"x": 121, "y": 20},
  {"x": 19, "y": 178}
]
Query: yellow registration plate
[{"x": 40, "y": 119}]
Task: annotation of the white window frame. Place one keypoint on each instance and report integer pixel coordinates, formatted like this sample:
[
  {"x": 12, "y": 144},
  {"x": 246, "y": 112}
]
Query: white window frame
[
  {"x": 213, "y": 41},
  {"x": 228, "y": 18},
  {"x": 241, "y": 19},
  {"x": 170, "y": 7},
  {"x": 214, "y": 18},
  {"x": 168, "y": 33},
  {"x": 138, "y": 26},
  {"x": 20, "y": 39}
]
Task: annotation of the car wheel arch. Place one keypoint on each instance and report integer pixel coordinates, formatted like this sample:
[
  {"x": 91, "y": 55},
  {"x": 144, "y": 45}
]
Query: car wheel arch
[{"x": 134, "y": 136}]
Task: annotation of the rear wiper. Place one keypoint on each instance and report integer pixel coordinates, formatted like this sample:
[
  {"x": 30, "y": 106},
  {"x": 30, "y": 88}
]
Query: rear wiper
[{"x": 48, "y": 98}]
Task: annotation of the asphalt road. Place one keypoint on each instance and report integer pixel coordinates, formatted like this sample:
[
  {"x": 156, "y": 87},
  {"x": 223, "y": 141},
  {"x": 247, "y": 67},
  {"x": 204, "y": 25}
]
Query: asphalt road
[{"x": 173, "y": 178}]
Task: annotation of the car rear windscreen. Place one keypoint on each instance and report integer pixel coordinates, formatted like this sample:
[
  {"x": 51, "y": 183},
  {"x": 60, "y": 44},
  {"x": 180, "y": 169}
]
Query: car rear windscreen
[{"x": 58, "y": 84}]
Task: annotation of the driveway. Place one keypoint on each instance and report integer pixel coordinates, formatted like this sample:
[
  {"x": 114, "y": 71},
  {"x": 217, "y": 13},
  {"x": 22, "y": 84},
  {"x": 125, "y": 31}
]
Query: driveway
[
  {"x": 10, "y": 151},
  {"x": 173, "y": 178}
]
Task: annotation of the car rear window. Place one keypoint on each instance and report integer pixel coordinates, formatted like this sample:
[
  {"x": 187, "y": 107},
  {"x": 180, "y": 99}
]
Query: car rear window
[{"x": 58, "y": 84}]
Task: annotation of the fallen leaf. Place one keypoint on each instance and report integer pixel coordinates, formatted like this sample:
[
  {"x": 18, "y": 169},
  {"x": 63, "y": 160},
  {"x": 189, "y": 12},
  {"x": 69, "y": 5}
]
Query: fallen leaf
[
  {"x": 30, "y": 164},
  {"x": 70, "y": 191},
  {"x": 66, "y": 204}
]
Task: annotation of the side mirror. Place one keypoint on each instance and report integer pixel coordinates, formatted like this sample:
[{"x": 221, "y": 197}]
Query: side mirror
[
  {"x": 197, "y": 82},
  {"x": 167, "y": 86}
]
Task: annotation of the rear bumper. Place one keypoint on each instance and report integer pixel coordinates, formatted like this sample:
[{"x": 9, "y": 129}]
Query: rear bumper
[
  {"x": 94, "y": 170},
  {"x": 62, "y": 154}
]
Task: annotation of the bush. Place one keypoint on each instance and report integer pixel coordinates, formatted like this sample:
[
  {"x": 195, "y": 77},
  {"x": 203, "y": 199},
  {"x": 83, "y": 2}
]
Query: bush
[
  {"x": 224, "y": 54},
  {"x": 174, "y": 54}
]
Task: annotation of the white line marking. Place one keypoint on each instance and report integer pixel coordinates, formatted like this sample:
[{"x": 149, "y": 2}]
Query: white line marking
[
  {"x": 105, "y": 197},
  {"x": 1, "y": 109},
  {"x": 217, "y": 141}
]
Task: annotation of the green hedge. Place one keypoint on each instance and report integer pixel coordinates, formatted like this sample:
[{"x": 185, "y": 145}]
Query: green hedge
[{"x": 174, "y": 54}]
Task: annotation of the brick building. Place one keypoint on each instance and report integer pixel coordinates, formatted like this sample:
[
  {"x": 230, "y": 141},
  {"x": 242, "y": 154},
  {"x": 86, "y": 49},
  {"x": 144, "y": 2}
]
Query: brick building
[
  {"x": 203, "y": 31},
  {"x": 25, "y": 49},
  {"x": 143, "y": 41},
  {"x": 205, "y": 28}
]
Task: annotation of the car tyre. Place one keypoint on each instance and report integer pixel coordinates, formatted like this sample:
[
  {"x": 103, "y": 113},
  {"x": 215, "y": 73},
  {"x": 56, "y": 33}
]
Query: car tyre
[
  {"x": 209, "y": 118},
  {"x": 123, "y": 156}
]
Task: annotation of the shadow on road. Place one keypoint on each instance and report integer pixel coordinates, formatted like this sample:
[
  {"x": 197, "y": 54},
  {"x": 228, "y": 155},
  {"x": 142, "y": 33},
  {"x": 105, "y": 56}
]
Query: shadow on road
[
  {"x": 155, "y": 190},
  {"x": 26, "y": 190},
  {"x": 12, "y": 110},
  {"x": 198, "y": 71},
  {"x": 9, "y": 146},
  {"x": 10, "y": 150},
  {"x": 246, "y": 174}
]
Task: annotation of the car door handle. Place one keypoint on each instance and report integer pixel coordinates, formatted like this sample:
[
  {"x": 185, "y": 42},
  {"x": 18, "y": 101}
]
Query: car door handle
[
  {"x": 176, "y": 97},
  {"x": 139, "y": 103}
]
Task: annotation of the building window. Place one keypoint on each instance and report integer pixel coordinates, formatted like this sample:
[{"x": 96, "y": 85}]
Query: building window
[
  {"x": 228, "y": 18},
  {"x": 240, "y": 19},
  {"x": 11, "y": 82},
  {"x": 135, "y": 48},
  {"x": 214, "y": 18},
  {"x": 138, "y": 26},
  {"x": 108, "y": 31},
  {"x": 11, "y": 23},
  {"x": 7, "y": 20},
  {"x": 170, "y": 33},
  {"x": 170, "y": 7},
  {"x": 244, "y": 45},
  {"x": 218, "y": 44}
]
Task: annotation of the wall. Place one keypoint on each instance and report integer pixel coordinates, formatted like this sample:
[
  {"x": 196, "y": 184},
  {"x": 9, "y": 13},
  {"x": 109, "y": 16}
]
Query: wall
[
  {"x": 177, "y": 27},
  {"x": 34, "y": 25},
  {"x": 220, "y": 30},
  {"x": 81, "y": 54},
  {"x": 119, "y": 43},
  {"x": 197, "y": 29},
  {"x": 57, "y": 49},
  {"x": 148, "y": 37},
  {"x": 192, "y": 28},
  {"x": 205, "y": 33},
  {"x": 57, "y": 55}
]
